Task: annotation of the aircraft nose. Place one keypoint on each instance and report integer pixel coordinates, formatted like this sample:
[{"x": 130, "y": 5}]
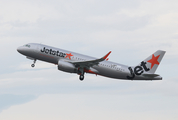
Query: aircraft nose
[{"x": 20, "y": 49}]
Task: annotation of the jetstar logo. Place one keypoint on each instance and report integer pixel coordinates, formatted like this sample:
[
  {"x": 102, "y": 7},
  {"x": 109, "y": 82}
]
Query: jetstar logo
[
  {"x": 154, "y": 60},
  {"x": 68, "y": 56},
  {"x": 138, "y": 70},
  {"x": 56, "y": 53}
]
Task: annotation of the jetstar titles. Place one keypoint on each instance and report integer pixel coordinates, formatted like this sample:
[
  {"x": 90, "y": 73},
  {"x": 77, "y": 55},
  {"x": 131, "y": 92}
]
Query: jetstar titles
[{"x": 53, "y": 52}]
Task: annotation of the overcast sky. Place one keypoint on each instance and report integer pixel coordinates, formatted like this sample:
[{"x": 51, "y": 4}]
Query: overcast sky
[{"x": 131, "y": 29}]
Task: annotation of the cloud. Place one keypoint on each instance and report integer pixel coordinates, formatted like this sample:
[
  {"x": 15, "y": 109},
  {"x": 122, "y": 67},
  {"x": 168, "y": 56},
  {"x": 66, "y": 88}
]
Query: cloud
[
  {"x": 91, "y": 106},
  {"x": 127, "y": 25},
  {"x": 8, "y": 100},
  {"x": 132, "y": 30}
]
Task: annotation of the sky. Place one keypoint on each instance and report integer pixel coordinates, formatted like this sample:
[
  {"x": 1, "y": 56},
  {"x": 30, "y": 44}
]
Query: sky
[{"x": 131, "y": 29}]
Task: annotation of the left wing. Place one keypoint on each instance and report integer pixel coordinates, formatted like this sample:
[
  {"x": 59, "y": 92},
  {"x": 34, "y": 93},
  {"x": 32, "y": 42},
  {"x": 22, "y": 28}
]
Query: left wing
[{"x": 88, "y": 64}]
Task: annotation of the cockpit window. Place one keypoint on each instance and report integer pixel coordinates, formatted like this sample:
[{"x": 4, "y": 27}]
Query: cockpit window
[{"x": 27, "y": 45}]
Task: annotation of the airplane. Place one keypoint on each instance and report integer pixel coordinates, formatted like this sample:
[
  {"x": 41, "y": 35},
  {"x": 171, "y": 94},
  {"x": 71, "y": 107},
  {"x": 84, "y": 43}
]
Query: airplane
[{"x": 71, "y": 62}]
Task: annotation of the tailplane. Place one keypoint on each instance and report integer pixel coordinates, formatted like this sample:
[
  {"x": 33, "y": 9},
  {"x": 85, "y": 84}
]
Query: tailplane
[{"x": 146, "y": 69}]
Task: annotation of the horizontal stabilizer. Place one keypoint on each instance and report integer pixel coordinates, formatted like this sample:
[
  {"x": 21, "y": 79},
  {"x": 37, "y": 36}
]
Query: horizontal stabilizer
[{"x": 150, "y": 75}]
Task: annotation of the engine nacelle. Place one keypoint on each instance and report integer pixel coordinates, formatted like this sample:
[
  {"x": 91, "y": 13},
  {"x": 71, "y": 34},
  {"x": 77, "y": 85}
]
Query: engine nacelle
[{"x": 66, "y": 67}]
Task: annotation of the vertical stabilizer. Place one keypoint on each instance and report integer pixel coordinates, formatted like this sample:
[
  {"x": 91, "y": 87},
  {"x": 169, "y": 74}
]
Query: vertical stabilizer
[{"x": 152, "y": 62}]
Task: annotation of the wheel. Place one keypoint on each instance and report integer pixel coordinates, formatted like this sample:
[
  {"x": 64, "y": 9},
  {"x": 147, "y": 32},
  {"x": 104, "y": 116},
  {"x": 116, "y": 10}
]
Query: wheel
[
  {"x": 81, "y": 77},
  {"x": 33, "y": 65}
]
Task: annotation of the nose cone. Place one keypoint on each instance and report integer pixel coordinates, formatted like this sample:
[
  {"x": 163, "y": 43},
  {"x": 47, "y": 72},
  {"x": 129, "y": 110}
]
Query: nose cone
[{"x": 20, "y": 49}]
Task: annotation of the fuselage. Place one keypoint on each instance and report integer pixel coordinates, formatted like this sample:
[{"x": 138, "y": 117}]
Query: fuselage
[{"x": 54, "y": 55}]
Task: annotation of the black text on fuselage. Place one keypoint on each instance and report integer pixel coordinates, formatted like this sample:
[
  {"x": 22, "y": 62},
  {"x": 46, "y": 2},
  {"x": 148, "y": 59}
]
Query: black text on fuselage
[
  {"x": 138, "y": 70},
  {"x": 53, "y": 52}
]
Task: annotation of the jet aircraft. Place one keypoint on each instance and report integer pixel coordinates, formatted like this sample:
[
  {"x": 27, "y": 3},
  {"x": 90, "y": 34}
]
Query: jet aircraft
[{"x": 72, "y": 62}]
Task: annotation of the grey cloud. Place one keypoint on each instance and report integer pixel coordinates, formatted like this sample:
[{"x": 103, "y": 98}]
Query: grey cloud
[
  {"x": 70, "y": 21},
  {"x": 18, "y": 24},
  {"x": 92, "y": 28},
  {"x": 8, "y": 100},
  {"x": 47, "y": 28},
  {"x": 89, "y": 7}
]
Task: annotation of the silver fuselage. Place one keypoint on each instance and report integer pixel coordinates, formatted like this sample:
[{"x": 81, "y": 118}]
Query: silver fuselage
[{"x": 54, "y": 55}]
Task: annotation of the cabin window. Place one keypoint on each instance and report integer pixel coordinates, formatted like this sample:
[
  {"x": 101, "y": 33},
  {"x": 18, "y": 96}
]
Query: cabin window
[{"x": 27, "y": 45}]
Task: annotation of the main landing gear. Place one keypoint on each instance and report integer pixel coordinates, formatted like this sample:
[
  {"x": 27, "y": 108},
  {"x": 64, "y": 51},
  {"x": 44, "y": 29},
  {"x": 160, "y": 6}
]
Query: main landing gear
[
  {"x": 33, "y": 65},
  {"x": 81, "y": 77}
]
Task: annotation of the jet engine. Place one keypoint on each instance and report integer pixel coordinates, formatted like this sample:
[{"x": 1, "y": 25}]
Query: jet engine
[{"x": 66, "y": 67}]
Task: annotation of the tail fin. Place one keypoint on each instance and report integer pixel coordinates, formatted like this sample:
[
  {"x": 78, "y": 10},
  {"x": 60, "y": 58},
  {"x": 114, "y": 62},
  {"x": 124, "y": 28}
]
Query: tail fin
[{"x": 151, "y": 63}]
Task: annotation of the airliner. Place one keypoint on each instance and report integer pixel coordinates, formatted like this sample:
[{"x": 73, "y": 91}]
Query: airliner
[{"x": 73, "y": 62}]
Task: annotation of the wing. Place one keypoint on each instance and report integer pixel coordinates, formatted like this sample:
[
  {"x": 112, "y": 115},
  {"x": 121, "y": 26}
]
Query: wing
[{"x": 88, "y": 64}]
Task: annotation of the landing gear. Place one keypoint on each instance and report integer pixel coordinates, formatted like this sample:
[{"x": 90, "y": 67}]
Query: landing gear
[
  {"x": 33, "y": 65},
  {"x": 81, "y": 77}
]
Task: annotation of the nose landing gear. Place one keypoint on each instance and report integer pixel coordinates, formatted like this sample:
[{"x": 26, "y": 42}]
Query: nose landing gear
[{"x": 33, "y": 65}]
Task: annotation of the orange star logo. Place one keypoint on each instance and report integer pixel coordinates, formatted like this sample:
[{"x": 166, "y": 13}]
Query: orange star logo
[
  {"x": 154, "y": 60},
  {"x": 68, "y": 56}
]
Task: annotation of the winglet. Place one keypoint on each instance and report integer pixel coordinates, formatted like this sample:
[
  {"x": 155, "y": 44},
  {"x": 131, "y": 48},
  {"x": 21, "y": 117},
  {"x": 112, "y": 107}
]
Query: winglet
[{"x": 106, "y": 55}]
